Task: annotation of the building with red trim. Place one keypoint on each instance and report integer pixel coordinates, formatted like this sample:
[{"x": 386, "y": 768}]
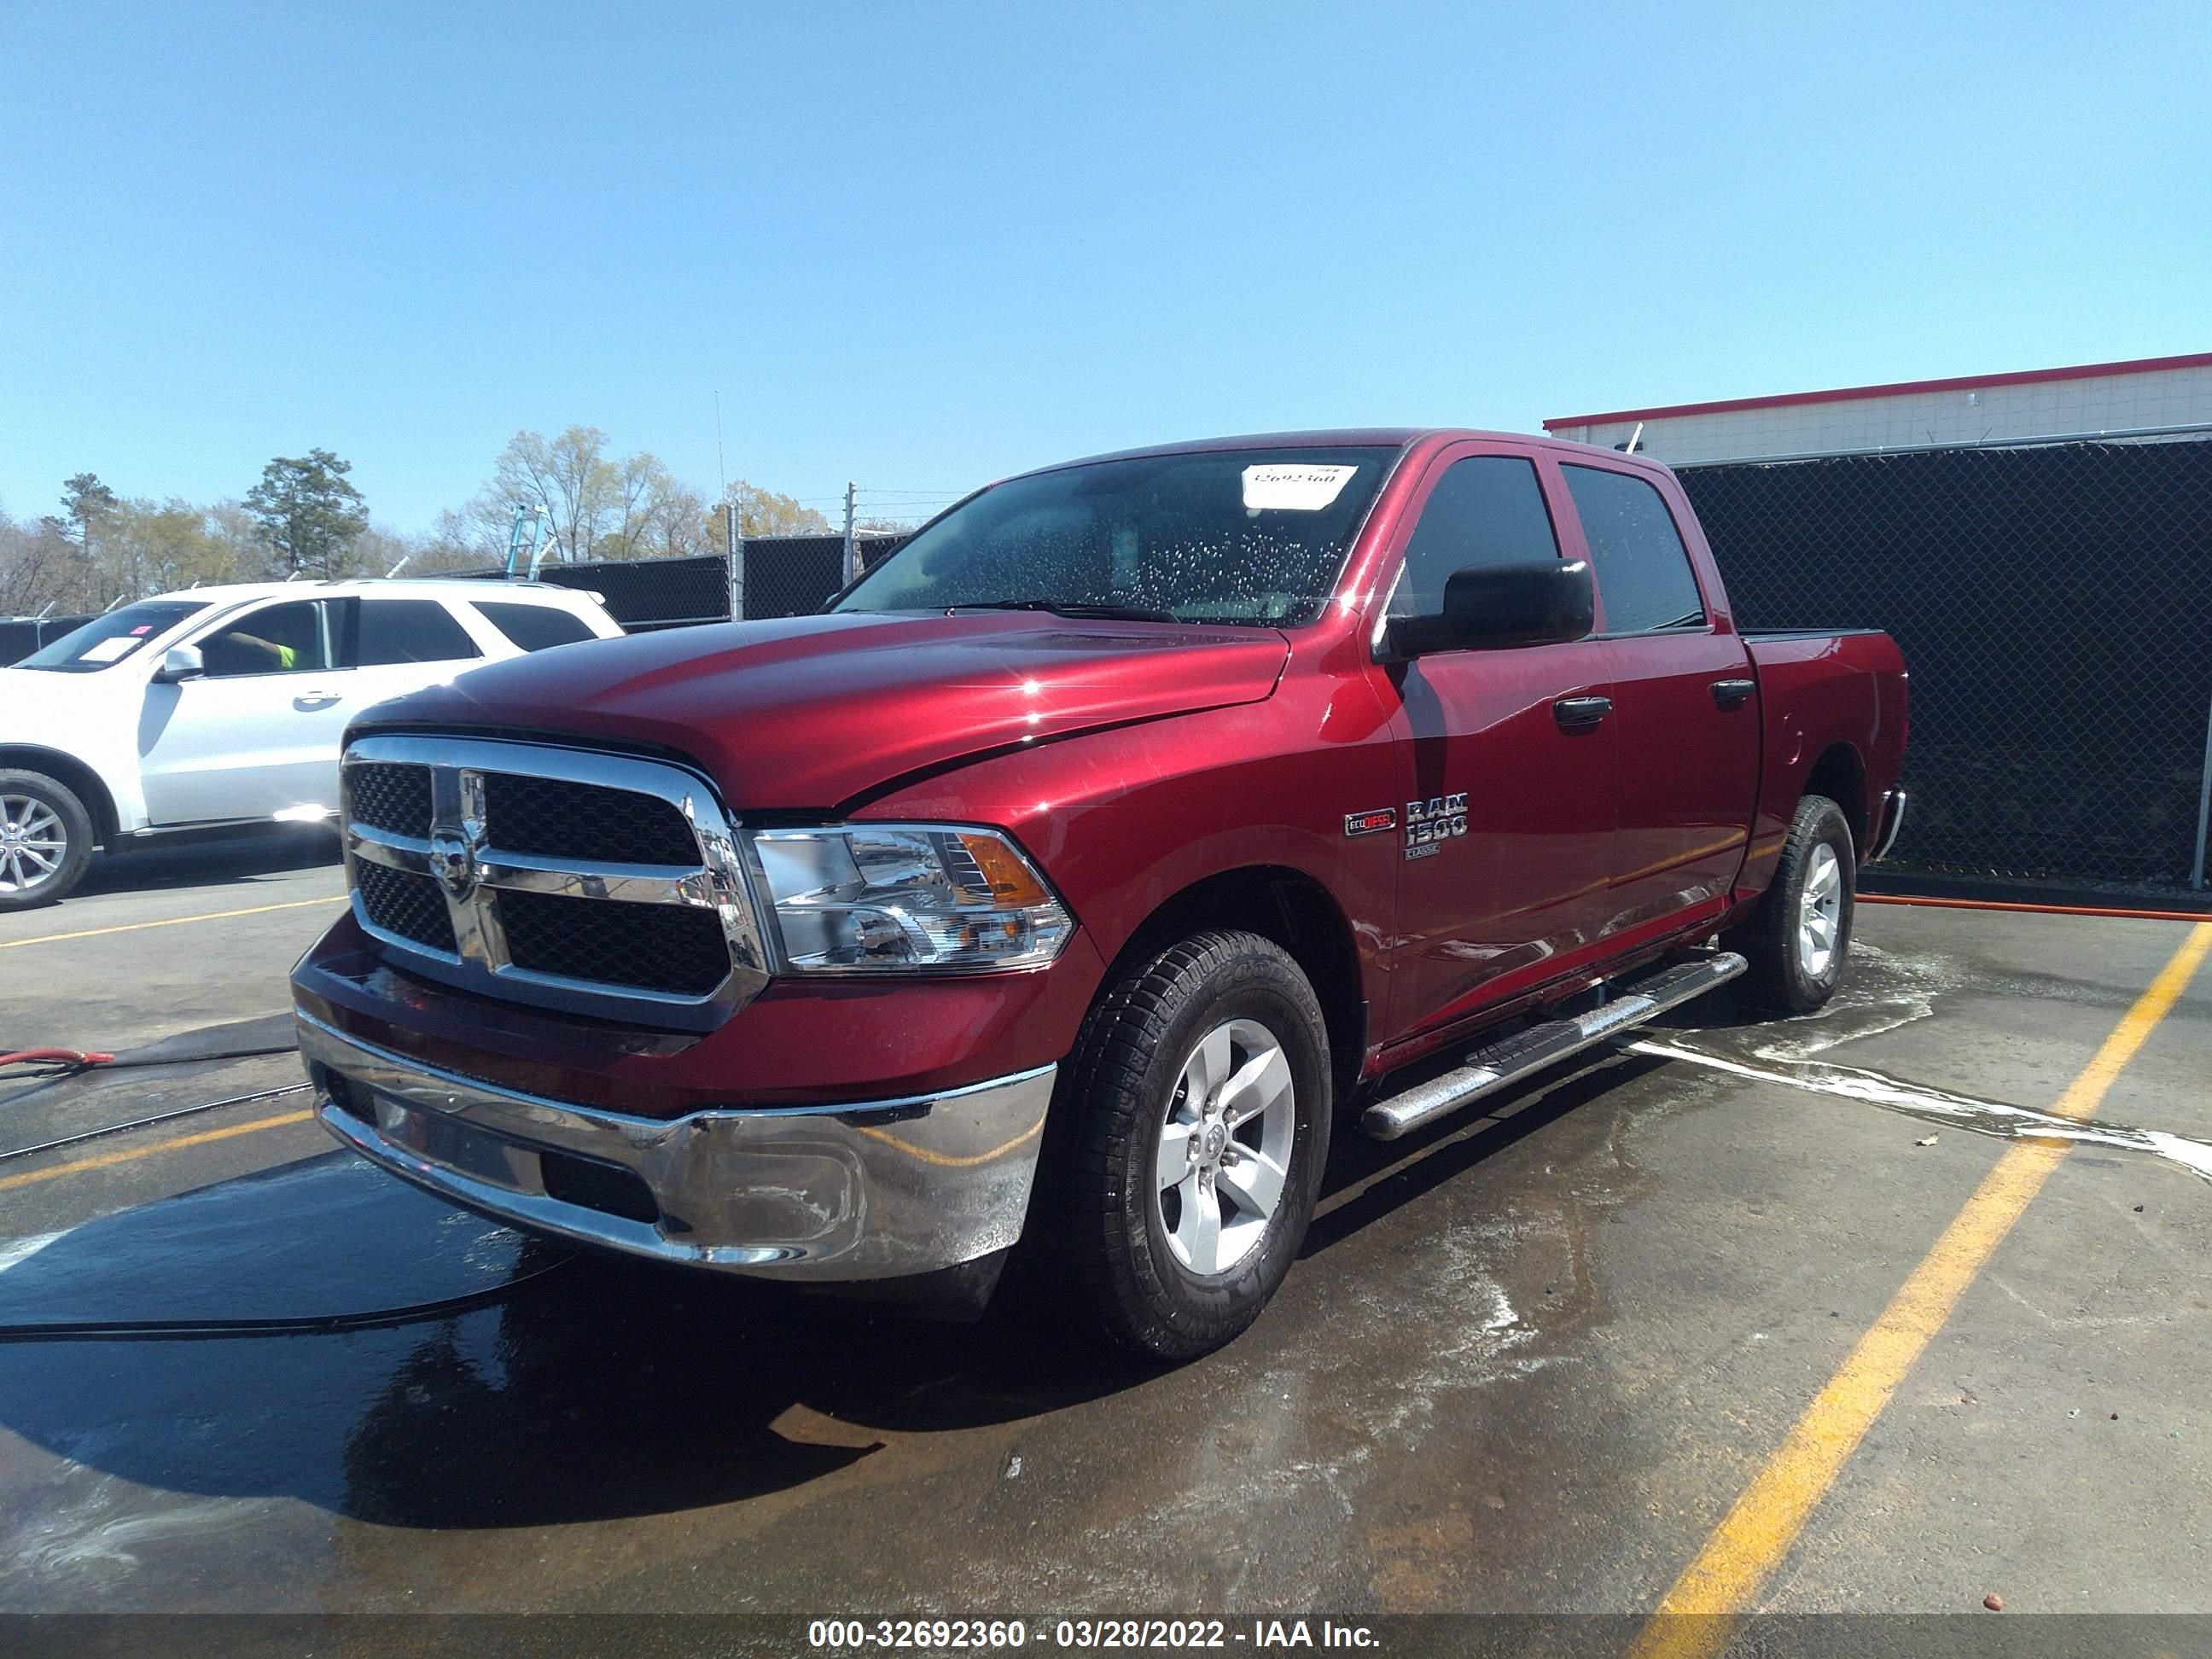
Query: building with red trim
[{"x": 2147, "y": 397}]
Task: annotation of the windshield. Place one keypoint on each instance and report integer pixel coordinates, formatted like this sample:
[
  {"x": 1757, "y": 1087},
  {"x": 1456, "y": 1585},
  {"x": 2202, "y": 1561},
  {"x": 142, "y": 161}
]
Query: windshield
[
  {"x": 1246, "y": 536},
  {"x": 111, "y": 638}
]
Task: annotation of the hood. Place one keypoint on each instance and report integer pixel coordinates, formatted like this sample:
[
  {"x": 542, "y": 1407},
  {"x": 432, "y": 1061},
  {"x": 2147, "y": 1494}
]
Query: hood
[
  {"x": 43, "y": 707},
  {"x": 809, "y": 712}
]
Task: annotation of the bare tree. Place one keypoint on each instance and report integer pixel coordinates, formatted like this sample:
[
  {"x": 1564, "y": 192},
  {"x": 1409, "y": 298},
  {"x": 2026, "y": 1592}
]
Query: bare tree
[
  {"x": 596, "y": 507},
  {"x": 40, "y": 566},
  {"x": 641, "y": 485},
  {"x": 681, "y": 523},
  {"x": 471, "y": 537},
  {"x": 569, "y": 478}
]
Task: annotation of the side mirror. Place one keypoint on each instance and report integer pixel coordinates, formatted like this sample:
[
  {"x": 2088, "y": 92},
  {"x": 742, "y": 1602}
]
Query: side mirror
[
  {"x": 1547, "y": 602},
  {"x": 183, "y": 662}
]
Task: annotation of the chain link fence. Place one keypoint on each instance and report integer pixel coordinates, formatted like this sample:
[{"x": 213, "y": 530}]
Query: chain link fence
[
  {"x": 21, "y": 636},
  {"x": 784, "y": 576},
  {"x": 2052, "y": 603}
]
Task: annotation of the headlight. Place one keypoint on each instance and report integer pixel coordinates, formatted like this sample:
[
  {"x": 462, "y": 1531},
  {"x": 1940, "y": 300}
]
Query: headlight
[{"x": 867, "y": 898}]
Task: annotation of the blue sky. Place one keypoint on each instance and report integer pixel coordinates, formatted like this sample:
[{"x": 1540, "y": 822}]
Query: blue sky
[{"x": 925, "y": 245}]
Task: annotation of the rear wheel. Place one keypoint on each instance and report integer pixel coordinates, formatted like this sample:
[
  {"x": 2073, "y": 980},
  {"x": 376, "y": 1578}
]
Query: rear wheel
[
  {"x": 1800, "y": 938},
  {"x": 1203, "y": 1079},
  {"x": 46, "y": 840}
]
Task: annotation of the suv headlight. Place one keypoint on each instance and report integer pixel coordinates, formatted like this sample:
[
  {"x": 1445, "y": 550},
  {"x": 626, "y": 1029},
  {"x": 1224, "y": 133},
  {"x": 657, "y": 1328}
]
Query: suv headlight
[{"x": 870, "y": 898}]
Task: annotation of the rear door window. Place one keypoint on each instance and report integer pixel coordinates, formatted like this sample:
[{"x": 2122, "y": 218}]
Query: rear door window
[
  {"x": 1642, "y": 570},
  {"x": 1486, "y": 510},
  {"x": 408, "y": 631},
  {"x": 535, "y": 627}
]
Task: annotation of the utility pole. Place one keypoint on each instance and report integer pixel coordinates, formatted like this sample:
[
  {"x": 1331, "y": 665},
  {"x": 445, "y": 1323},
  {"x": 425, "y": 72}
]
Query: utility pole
[
  {"x": 734, "y": 535},
  {"x": 852, "y": 547},
  {"x": 721, "y": 467},
  {"x": 733, "y": 549}
]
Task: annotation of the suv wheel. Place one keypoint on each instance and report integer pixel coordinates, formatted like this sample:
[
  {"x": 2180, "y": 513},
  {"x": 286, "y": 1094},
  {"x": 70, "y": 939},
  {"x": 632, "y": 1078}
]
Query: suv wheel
[
  {"x": 46, "y": 840},
  {"x": 1800, "y": 936},
  {"x": 1203, "y": 1080}
]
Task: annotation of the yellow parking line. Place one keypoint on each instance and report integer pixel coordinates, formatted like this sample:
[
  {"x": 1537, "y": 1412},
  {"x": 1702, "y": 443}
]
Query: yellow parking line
[
  {"x": 169, "y": 921},
  {"x": 106, "y": 1159},
  {"x": 1696, "y": 1617}
]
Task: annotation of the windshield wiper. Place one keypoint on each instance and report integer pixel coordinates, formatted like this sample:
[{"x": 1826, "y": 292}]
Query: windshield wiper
[{"x": 1072, "y": 608}]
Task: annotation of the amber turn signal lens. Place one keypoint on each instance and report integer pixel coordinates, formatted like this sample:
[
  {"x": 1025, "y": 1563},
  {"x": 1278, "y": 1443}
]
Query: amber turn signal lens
[{"x": 1012, "y": 884}]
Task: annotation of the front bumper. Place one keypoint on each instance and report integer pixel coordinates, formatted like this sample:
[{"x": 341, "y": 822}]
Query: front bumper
[{"x": 866, "y": 1191}]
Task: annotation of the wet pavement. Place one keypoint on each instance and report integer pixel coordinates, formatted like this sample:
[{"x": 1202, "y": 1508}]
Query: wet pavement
[{"x": 1526, "y": 1362}]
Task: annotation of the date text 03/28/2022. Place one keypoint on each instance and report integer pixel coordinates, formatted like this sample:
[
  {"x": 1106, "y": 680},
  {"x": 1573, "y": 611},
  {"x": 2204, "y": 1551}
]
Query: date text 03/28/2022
[{"x": 1013, "y": 1635}]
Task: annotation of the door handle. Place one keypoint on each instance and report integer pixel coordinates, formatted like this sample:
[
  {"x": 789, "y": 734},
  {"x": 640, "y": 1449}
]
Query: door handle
[
  {"x": 1580, "y": 714},
  {"x": 1734, "y": 694},
  {"x": 314, "y": 699}
]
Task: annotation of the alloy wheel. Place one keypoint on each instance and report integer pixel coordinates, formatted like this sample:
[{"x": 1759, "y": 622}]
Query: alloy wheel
[
  {"x": 1820, "y": 912},
  {"x": 33, "y": 842},
  {"x": 1224, "y": 1150}
]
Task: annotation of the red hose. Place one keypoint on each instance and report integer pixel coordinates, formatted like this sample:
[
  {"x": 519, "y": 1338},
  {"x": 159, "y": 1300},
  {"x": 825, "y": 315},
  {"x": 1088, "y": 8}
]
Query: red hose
[
  {"x": 2034, "y": 909},
  {"x": 63, "y": 1056}
]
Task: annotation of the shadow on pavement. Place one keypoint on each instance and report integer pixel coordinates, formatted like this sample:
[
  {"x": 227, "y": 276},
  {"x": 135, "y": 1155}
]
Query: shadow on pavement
[
  {"x": 212, "y": 861},
  {"x": 599, "y": 1388},
  {"x": 596, "y": 1387}
]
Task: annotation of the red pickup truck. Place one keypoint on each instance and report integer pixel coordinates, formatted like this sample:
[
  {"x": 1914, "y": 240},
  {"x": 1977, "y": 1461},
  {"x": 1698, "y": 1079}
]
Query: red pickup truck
[{"x": 1074, "y": 874}]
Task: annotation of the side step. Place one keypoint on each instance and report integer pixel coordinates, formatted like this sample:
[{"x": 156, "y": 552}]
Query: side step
[{"x": 1629, "y": 1003}]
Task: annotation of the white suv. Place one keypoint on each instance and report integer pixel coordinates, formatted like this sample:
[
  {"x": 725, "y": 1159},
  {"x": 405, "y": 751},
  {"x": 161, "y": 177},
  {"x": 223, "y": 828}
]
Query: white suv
[{"x": 226, "y": 706}]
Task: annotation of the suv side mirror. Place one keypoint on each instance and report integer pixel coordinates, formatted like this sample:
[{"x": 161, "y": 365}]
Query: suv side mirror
[
  {"x": 1547, "y": 602},
  {"x": 183, "y": 662}
]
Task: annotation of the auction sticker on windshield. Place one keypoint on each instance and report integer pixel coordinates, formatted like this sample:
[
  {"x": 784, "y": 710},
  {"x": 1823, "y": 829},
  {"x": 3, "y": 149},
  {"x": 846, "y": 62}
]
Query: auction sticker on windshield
[{"x": 1292, "y": 488}]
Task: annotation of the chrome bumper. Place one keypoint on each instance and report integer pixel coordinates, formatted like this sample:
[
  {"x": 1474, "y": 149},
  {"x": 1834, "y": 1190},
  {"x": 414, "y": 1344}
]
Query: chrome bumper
[{"x": 874, "y": 1190}]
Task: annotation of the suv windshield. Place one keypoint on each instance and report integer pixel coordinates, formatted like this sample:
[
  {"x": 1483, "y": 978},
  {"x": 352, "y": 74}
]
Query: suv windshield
[
  {"x": 1250, "y": 536},
  {"x": 111, "y": 638}
]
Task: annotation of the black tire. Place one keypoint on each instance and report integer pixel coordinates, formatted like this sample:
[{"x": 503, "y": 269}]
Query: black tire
[
  {"x": 22, "y": 886},
  {"x": 1785, "y": 974},
  {"x": 1123, "y": 1083}
]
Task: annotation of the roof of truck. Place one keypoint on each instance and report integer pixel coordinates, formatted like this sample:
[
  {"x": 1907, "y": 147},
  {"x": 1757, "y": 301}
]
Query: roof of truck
[{"x": 1395, "y": 437}]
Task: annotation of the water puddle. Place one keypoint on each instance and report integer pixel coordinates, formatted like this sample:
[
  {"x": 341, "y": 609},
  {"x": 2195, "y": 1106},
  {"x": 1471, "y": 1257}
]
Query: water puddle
[{"x": 1985, "y": 1117}]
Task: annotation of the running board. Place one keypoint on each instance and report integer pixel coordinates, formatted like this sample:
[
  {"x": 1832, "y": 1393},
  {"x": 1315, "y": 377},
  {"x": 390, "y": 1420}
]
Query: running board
[{"x": 1488, "y": 1070}]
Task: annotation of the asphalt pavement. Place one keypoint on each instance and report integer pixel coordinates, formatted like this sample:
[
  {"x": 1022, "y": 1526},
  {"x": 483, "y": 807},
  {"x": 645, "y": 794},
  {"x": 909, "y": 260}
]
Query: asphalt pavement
[{"x": 1530, "y": 1362}]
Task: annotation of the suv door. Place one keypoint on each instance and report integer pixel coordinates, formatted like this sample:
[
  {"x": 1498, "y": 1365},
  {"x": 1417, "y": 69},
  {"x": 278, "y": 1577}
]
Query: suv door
[
  {"x": 259, "y": 731},
  {"x": 1508, "y": 748},
  {"x": 396, "y": 646},
  {"x": 1685, "y": 698}
]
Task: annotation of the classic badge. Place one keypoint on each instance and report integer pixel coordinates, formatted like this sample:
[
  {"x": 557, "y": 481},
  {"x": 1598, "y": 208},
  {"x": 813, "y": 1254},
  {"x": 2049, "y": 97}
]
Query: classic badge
[{"x": 1431, "y": 823}]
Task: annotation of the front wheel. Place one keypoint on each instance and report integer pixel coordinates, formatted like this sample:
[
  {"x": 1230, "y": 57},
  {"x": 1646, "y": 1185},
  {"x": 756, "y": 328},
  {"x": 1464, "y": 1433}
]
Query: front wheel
[
  {"x": 1203, "y": 1083},
  {"x": 46, "y": 840},
  {"x": 1800, "y": 936}
]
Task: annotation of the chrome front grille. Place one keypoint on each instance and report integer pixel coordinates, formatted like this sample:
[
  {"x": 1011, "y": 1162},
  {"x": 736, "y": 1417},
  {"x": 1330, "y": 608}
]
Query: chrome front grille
[
  {"x": 679, "y": 952},
  {"x": 410, "y": 905},
  {"x": 557, "y": 818},
  {"x": 603, "y": 885},
  {"x": 395, "y": 797}
]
